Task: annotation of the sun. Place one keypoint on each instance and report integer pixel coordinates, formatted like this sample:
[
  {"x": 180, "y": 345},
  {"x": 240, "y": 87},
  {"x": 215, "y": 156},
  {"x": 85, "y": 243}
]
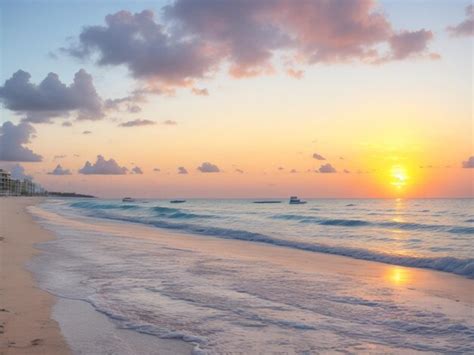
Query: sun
[{"x": 399, "y": 176}]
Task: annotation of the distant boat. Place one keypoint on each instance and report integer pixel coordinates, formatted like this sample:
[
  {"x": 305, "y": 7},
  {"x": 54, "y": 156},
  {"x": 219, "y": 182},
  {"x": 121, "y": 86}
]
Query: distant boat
[
  {"x": 177, "y": 201},
  {"x": 265, "y": 201},
  {"x": 294, "y": 200},
  {"x": 128, "y": 199}
]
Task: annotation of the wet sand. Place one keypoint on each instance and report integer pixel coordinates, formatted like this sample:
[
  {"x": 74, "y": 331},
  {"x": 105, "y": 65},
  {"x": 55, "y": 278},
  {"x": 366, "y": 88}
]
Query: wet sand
[{"x": 26, "y": 326}]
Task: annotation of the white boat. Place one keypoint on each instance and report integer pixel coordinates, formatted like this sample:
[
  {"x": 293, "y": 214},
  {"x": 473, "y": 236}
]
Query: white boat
[
  {"x": 294, "y": 200},
  {"x": 128, "y": 199}
]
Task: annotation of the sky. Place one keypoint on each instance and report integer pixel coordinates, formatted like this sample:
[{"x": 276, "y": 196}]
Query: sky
[{"x": 239, "y": 99}]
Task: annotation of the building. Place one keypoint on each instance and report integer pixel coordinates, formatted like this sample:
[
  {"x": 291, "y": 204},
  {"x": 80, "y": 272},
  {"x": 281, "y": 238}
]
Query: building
[
  {"x": 12, "y": 187},
  {"x": 5, "y": 182},
  {"x": 27, "y": 187},
  {"x": 15, "y": 188}
]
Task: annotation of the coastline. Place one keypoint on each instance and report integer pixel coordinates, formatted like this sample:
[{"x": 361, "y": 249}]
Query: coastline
[
  {"x": 66, "y": 325},
  {"x": 34, "y": 321},
  {"x": 25, "y": 317}
]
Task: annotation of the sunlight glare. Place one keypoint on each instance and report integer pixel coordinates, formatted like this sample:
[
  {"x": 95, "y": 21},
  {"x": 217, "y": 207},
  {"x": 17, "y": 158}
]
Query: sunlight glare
[{"x": 399, "y": 176}]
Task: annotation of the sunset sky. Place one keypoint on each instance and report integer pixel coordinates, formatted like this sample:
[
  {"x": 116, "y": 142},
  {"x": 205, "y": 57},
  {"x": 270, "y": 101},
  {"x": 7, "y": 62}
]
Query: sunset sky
[{"x": 239, "y": 98}]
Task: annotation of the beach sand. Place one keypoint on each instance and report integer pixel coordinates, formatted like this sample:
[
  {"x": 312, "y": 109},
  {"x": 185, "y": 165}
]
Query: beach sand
[
  {"x": 26, "y": 326},
  {"x": 27, "y": 313}
]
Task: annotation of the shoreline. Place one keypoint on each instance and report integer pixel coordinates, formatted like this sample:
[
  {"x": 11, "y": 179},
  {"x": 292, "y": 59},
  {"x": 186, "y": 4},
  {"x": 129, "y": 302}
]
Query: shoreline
[
  {"x": 254, "y": 307},
  {"x": 25, "y": 310},
  {"x": 35, "y": 321},
  {"x": 64, "y": 326}
]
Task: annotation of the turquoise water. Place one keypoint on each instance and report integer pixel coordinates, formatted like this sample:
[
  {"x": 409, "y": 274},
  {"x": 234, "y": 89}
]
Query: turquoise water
[{"x": 435, "y": 234}]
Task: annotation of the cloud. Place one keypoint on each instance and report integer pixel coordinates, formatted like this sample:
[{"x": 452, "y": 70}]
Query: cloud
[
  {"x": 12, "y": 141},
  {"x": 61, "y": 156},
  {"x": 327, "y": 169},
  {"x": 66, "y": 124},
  {"x": 137, "y": 170},
  {"x": 17, "y": 172},
  {"x": 39, "y": 103},
  {"x": 127, "y": 103},
  {"x": 60, "y": 171},
  {"x": 249, "y": 33},
  {"x": 469, "y": 163},
  {"x": 200, "y": 92},
  {"x": 170, "y": 123},
  {"x": 182, "y": 170},
  {"x": 240, "y": 171},
  {"x": 410, "y": 43},
  {"x": 137, "y": 123},
  {"x": 293, "y": 171},
  {"x": 145, "y": 47},
  {"x": 103, "y": 167},
  {"x": 297, "y": 74},
  {"x": 318, "y": 156},
  {"x": 207, "y": 167},
  {"x": 280, "y": 168},
  {"x": 134, "y": 108},
  {"x": 466, "y": 27},
  {"x": 87, "y": 132},
  {"x": 157, "y": 170},
  {"x": 346, "y": 171},
  {"x": 196, "y": 38}
]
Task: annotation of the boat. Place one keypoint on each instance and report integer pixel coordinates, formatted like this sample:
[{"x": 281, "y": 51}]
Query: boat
[
  {"x": 177, "y": 201},
  {"x": 266, "y": 201},
  {"x": 294, "y": 200},
  {"x": 128, "y": 199}
]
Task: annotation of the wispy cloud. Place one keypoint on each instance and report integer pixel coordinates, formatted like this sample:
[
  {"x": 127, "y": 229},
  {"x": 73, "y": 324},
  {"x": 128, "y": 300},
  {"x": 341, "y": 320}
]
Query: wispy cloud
[
  {"x": 137, "y": 170},
  {"x": 466, "y": 27},
  {"x": 318, "y": 156},
  {"x": 137, "y": 123},
  {"x": 200, "y": 92},
  {"x": 469, "y": 163},
  {"x": 182, "y": 170}
]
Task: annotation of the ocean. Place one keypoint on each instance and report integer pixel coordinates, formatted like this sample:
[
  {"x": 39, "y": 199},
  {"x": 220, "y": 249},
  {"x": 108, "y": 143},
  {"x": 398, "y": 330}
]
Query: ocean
[{"x": 234, "y": 305}]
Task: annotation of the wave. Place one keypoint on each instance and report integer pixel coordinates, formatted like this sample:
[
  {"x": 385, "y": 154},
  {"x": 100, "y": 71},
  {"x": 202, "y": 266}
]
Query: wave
[
  {"x": 167, "y": 212},
  {"x": 103, "y": 206},
  {"x": 462, "y": 230},
  {"x": 165, "y": 209},
  {"x": 183, "y": 215},
  {"x": 360, "y": 223},
  {"x": 463, "y": 267}
]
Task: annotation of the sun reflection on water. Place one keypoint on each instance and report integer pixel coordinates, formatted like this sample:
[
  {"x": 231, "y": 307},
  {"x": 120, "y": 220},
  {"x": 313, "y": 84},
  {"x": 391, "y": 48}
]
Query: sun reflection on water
[{"x": 398, "y": 275}]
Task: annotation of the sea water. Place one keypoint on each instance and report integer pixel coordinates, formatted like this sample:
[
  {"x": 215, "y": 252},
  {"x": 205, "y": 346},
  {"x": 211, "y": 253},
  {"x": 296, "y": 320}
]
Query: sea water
[{"x": 221, "y": 305}]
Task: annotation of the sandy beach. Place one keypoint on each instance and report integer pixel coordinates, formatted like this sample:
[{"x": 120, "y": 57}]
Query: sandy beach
[{"x": 26, "y": 326}]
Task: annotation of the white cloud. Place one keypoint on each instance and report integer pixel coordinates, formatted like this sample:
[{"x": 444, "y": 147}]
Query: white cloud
[{"x": 103, "y": 167}]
